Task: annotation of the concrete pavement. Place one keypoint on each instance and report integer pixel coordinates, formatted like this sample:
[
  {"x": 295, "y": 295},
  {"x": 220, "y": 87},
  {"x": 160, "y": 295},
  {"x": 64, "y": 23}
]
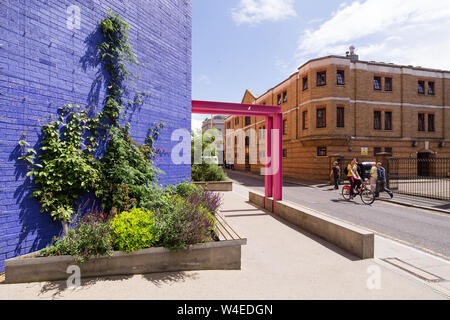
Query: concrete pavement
[{"x": 279, "y": 262}]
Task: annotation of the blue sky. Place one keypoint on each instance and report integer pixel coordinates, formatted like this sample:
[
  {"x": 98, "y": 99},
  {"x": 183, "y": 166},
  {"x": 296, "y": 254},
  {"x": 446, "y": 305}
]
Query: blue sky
[{"x": 254, "y": 44}]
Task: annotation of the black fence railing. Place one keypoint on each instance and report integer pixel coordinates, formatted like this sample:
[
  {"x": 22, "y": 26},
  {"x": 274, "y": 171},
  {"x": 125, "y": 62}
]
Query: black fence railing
[{"x": 429, "y": 178}]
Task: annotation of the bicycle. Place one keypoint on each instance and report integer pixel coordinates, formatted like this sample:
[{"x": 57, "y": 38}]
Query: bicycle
[{"x": 367, "y": 196}]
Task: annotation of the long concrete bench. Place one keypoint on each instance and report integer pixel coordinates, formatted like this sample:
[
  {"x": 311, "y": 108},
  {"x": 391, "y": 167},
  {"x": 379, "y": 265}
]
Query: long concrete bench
[{"x": 348, "y": 237}]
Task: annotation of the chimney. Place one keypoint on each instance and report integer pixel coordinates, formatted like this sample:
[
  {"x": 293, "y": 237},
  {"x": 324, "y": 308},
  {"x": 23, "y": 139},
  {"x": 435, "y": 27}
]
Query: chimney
[{"x": 353, "y": 57}]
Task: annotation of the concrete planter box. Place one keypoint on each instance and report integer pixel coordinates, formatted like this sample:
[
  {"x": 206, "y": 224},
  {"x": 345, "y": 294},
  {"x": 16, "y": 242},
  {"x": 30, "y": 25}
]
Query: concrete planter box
[
  {"x": 220, "y": 255},
  {"x": 218, "y": 186}
]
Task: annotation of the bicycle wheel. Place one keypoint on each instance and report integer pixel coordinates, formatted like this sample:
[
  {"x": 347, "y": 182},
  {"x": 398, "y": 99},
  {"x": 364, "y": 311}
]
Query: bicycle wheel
[
  {"x": 346, "y": 192},
  {"x": 367, "y": 196}
]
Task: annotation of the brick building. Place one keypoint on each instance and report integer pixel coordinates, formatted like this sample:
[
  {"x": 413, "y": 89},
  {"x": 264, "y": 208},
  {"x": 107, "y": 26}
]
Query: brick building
[
  {"x": 47, "y": 61},
  {"x": 341, "y": 107}
]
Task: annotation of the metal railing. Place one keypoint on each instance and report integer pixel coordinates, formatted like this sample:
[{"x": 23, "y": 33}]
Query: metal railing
[{"x": 429, "y": 178}]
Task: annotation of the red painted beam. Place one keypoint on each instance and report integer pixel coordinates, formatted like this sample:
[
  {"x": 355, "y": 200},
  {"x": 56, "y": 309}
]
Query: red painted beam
[{"x": 213, "y": 107}]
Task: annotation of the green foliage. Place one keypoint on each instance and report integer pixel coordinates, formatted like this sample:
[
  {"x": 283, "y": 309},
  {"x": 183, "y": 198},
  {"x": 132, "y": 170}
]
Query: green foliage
[
  {"x": 88, "y": 239},
  {"x": 133, "y": 230},
  {"x": 66, "y": 165},
  {"x": 207, "y": 172},
  {"x": 127, "y": 173},
  {"x": 123, "y": 177},
  {"x": 180, "y": 223},
  {"x": 184, "y": 189}
]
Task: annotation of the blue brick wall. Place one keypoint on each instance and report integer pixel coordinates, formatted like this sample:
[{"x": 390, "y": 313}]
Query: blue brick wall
[{"x": 46, "y": 65}]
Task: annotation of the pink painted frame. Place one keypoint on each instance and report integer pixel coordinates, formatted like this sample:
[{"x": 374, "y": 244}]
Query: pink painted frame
[{"x": 274, "y": 121}]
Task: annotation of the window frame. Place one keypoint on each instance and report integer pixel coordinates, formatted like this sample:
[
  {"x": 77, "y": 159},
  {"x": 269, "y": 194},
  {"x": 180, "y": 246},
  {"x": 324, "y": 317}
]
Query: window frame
[
  {"x": 378, "y": 79},
  {"x": 322, "y": 124},
  {"x": 386, "y": 126},
  {"x": 338, "y": 123},
  {"x": 340, "y": 72},
  {"x": 279, "y": 99},
  {"x": 324, "y": 152},
  {"x": 285, "y": 153},
  {"x": 305, "y": 124},
  {"x": 431, "y": 128},
  {"x": 380, "y": 125},
  {"x": 419, "y": 82},
  {"x": 305, "y": 83},
  {"x": 318, "y": 84},
  {"x": 433, "y": 93},
  {"x": 284, "y": 127},
  {"x": 419, "y": 121},
  {"x": 284, "y": 96},
  {"x": 389, "y": 88}
]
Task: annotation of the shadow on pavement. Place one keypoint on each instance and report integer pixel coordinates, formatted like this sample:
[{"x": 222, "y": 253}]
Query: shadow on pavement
[{"x": 57, "y": 288}]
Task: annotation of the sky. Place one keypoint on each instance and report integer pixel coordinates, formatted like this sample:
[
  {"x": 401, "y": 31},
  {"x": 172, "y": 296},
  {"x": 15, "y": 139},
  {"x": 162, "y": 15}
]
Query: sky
[{"x": 255, "y": 44}]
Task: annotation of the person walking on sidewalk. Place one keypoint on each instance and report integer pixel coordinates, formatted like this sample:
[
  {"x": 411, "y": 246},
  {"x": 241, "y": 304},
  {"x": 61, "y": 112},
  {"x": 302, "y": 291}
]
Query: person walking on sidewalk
[
  {"x": 336, "y": 174},
  {"x": 381, "y": 181},
  {"x": 373, "y": 177}
]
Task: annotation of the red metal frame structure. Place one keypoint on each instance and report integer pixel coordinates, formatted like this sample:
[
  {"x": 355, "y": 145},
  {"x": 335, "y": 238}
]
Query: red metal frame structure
[{"x": 274, "y": 121}]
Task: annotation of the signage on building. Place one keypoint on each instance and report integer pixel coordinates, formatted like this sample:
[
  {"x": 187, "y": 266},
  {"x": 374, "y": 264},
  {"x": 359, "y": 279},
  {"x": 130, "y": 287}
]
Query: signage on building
[{"x": 364, "y": 151}]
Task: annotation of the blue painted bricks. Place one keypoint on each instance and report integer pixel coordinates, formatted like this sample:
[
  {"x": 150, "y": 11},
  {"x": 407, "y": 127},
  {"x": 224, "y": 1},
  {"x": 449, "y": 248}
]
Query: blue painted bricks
[{"x": 45, "y": 65}]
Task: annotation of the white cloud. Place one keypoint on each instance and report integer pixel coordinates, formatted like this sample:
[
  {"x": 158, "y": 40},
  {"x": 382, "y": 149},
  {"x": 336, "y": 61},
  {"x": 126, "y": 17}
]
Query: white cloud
[
  {"x": 205, "y": 80},
  {"x": 407, "y": 32},
  {"x": 257, "y": 11}
]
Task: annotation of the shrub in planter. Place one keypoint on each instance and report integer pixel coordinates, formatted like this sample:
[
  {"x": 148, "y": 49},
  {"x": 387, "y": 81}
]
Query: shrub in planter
[
  {"x": 134, "y": 230},
  {"x": 89, "y": 238},
  {"x": 182, "y": 223},
  {"x": 207, "y": 172}
]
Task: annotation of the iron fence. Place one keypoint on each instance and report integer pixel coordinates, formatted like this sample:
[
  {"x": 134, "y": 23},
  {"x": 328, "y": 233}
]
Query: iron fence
[{"x": 429, "y": 178}]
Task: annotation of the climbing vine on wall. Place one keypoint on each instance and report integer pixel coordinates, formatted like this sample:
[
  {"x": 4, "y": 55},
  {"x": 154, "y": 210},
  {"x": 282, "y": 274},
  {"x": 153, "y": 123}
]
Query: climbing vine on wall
[{"x": 66, "y": 166}]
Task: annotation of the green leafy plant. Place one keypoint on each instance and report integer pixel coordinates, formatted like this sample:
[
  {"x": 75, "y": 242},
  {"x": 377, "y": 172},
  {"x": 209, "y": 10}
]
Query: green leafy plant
[
  {"x": 181, "y": 224},
  {"x": 66, "y": 167},
  {"x": 134, "y": 230},
  {"x": 88, "y": 239}
]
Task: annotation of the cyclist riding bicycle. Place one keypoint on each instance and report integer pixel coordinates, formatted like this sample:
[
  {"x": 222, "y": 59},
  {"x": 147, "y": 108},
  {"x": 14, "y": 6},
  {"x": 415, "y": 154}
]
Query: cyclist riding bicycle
[{"x": 353, "y": 177}]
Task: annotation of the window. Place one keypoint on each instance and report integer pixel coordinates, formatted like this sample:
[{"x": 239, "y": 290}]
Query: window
[
  {"x": 305, "y": 120},
  {"x": 247, "y": 140},
  {"x": 262, "y": 133},
  {"x": 388, "y": 121},
  {"x": 228, "y": 125},
  {"x": 377, "y": 120},
  {"x": 284, "y": 127},
  {"x": 264, "y": 103},
  {"x": 305, "y": 83},
  {"x": 321, "y": 151},
  {"x": 388, "y": 150},
  {"x": 235, "y": 140},
  {"x": 377, "y": 83},
  {"x": 376, "y": 151},
  {"x": 321, "y": 118},
  {"x": 431, "y": 88},
  {"x": 236, "y": 120},
  {"x": 431, "y": 127},
  {"x": 388, "y": 84},
  {"x": 421, "y": 87},
  {"x": 340, "y": 77},
  {"x": 321, "y": 78},
  {"x": 340, "y": 120},
  {"x": 284, "y": 153},
  {"x": 248, "y": 121},
  {"x": 279, "y": 99},
  {"x": 421, "y": 122},
  {"x": 284, "y": 97}
]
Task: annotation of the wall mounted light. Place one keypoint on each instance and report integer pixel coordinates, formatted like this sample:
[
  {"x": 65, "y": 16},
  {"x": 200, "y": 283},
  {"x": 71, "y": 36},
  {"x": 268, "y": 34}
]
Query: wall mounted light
[
  {"x": 415, "y": 144},
  {"x": 442, "y": 144}
]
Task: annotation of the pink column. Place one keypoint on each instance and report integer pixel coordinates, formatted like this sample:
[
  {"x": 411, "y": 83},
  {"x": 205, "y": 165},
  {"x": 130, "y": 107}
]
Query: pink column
[
  {"x": 268, "y": 175},
  {"x": 278, "y": 158}
]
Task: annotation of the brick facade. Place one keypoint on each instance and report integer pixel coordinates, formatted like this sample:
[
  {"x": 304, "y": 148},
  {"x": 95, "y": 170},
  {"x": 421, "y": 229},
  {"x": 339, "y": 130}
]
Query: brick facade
[
  {"x": 397, "y": 103},
  {"x": 46, "y": 65}
]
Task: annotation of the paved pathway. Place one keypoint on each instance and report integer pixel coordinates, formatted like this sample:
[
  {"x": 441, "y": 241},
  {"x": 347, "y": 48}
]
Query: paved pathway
[
  {"x": 427, "y": 230},
  {"x": 279, "y": 262}
]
